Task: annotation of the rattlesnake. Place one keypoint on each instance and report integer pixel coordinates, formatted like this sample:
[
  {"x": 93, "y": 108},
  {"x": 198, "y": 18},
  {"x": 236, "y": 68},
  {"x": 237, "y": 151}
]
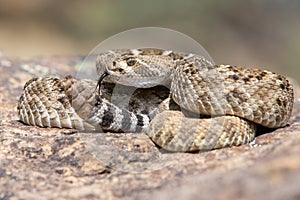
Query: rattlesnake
[{"x": 229, "y": 100}]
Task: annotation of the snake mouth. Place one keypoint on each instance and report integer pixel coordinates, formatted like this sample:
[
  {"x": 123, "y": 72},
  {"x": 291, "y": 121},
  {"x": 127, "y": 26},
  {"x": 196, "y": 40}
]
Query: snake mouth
[
  {"x": 109, "y": 78},
  {"x": 99, "y": 82},
  {"x": 105, "y": 74}
]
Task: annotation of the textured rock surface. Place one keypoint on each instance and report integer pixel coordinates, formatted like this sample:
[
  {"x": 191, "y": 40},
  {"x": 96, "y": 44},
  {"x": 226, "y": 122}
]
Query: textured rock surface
[{"x": 37, "y": 163}]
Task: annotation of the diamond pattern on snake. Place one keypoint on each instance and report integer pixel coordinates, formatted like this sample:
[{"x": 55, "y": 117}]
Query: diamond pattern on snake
[{"x": 182, "y": 101}]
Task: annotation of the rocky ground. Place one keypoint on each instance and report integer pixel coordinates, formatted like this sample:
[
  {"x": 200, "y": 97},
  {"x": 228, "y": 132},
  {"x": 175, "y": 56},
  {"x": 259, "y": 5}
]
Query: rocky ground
[{"x": 42, "y": 163}]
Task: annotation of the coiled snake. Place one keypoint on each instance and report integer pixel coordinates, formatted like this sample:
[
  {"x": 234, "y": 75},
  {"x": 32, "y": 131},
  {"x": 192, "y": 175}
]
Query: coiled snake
[{"x": 182, "y": 101}]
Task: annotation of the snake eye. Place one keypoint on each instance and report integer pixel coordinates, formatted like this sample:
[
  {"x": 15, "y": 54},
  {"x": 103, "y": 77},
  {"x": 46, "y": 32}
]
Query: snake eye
[{"x": 131, "y": 61}]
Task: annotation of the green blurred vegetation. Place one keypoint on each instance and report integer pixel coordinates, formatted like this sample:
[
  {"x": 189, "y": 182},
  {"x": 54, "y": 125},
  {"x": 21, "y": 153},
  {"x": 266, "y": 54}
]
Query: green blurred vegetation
[{"x": 247, "y": 33}]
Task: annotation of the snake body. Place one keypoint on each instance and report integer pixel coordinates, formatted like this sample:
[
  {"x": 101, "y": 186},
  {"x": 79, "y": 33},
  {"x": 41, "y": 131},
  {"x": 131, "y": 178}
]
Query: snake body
[{"x": 232, "y": 99}]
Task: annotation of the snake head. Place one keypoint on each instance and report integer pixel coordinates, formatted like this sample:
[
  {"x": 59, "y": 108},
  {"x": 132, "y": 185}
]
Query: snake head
[{"x": 140, "y": 68}]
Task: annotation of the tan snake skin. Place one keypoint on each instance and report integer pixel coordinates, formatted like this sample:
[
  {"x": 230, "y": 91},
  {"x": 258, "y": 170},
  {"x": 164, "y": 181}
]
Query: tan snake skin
[{"x": 232, "y": 100}]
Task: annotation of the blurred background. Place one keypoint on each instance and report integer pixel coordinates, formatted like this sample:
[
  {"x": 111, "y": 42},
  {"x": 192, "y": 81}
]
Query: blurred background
[{"x": 259, "y": 33}]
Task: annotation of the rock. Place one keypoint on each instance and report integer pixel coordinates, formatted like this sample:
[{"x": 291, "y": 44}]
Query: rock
[{"x": 42, "y": 163}]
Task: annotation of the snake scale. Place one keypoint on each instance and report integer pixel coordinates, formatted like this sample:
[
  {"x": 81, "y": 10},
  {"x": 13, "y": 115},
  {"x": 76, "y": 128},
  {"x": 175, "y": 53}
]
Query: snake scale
[{"x": 182, "y": 101}]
